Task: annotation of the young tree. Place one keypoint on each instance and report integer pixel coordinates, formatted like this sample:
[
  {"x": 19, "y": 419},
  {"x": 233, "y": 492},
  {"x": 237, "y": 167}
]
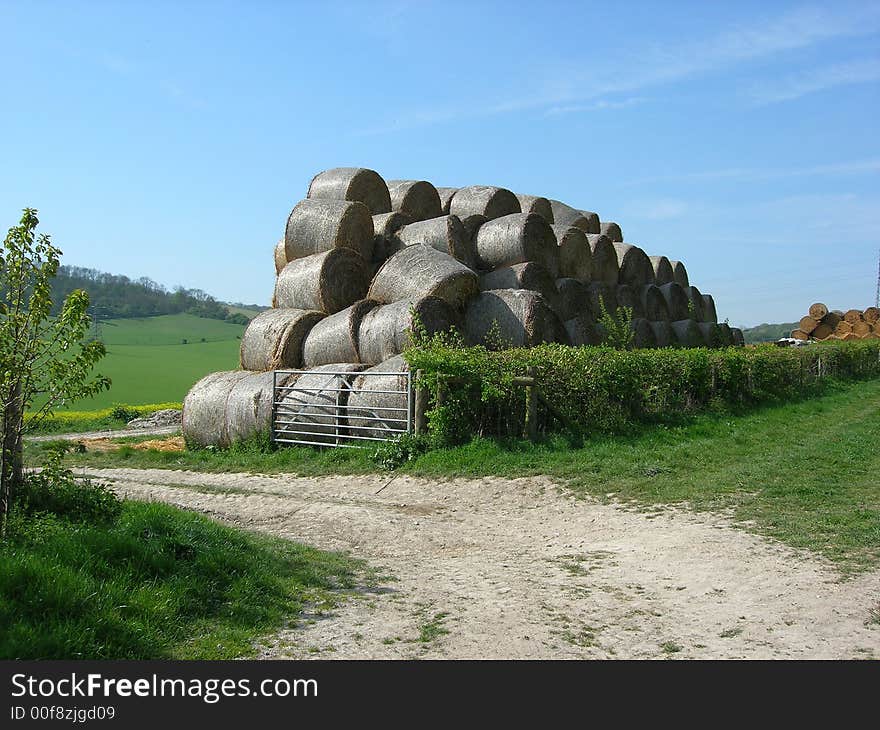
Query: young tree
[{"x": 42, "y": 359}]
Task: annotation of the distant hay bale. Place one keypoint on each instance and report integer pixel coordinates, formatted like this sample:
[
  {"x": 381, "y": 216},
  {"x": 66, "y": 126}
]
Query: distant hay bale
[
  {"x": 807, "y": 324},
  {"x": 843, "y": 327},
  {"x": 850, "y": 337},
  {"x": 536, "y": 204},
  {"x": 604, "y": 259},
  {"x": 249, "y": 407},
  {"x": 643, "y": 334},
  {"x": 373, "y": 415},
  {"x": 335, "y": 338},
  {"x": 634, "y": 266},
  {"x": 565, "y": 215},
  {"x": 852, "y": 316},
  {"x": 328, "y": 282},
  {"x": 601, "y": 294},
  {"x": 797, "y": 334},
  {"x": 697, "y": 309},
  {"x": 738, "y": 338},
  {"x": 862, "y": 328},
  {"x": 315, "y": 226},
  {"x": 385, "y": 225},
  {"x": 654, "y": 303},
  {"x": 574, "y": 299},
  {"x": 593, "y": 222},
  {"x": 280, "y": 256},
  {"x": 524, "y": 319},
  {"x": 822, "y": 332},
  {"x": 726, "y": 334},
  {"x": 687, "y": 333},
  {"x": 679, "y": 273},
  {"x": 421, "y": 271},
  {"x": 871, "y": 314},
  {"x": 352, "y": 183},
  {"x": 484, "y": 200},
  {"x": 204, "y": 409},
  {"x": 710, "y": 314},
  {"x": 575, "y": 254},
  {"x": 711, "y": 335},
  {"x": 516, "y": 239},
  {"x": 663, "y": 273},
  {"x": 627, "y": 297},
  {"x": 677, "y": 300},
  {"x": 444, "y": 233},
  {"x": 663, "y": 334},
  {"x": 831, "y": 319},
  {"x": 311, "y": 405},
  {"x": 274, "y": 339},
  {"x": 446, "y": 195},
  {"x": 416, "y": 198},
  {"x": 612, "y": 230},
  {"x": 582, "y": 332},
  {"x": 529, "y": 275},
  {"x": 386, "y": 330},
  {"x": 818, "y": 310}
]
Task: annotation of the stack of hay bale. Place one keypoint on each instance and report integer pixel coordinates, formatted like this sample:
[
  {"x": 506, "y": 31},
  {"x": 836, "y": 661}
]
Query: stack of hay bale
[
  {"x": 854, "y": 324},
  {"x": 361, "y": 255}
]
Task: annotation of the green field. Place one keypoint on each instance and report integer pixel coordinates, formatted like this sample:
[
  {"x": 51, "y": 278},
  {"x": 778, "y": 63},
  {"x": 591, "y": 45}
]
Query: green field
[{"x": 148, "y": 361}]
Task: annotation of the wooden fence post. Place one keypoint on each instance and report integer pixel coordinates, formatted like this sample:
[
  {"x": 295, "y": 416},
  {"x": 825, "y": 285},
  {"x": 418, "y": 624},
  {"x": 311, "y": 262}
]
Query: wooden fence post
[
  {"x": 421, "y": 406},
  {"x": 531, "y": 407}
]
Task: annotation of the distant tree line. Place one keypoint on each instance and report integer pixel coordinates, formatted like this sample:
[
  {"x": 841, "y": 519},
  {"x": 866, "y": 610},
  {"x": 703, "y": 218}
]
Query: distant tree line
[{"x": 118, "y": 297}]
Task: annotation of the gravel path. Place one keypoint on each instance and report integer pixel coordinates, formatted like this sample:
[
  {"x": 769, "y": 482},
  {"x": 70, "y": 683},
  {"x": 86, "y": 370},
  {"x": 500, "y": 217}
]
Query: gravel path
[
  {"x": 118, "y": 433},
  {"x": 517, "y": 569}
]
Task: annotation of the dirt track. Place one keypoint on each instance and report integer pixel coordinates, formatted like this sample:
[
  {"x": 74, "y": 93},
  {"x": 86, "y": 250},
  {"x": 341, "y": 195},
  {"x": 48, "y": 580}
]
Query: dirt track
[{"x": 516, "y": 569}]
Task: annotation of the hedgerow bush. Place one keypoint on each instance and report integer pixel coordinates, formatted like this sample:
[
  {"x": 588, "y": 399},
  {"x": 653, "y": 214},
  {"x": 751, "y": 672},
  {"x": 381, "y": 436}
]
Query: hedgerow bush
[{"x": 609, "y": 390}]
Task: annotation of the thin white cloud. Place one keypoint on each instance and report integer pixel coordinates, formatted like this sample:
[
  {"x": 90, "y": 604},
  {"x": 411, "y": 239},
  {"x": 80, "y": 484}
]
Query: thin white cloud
[
  {"x": 815, "y": 80},
  {"x": 601, "y": 105}
]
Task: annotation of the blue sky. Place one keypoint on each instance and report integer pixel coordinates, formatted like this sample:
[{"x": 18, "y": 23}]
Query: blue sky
[{"x": 170, "y": 140}]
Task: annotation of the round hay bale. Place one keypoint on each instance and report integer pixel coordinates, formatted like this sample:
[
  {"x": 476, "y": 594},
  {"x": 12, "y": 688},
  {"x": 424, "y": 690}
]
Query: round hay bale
[
  {"x": 725, "y": 334},
  {"x": 818, "y": 310},
  {"x": 536, "y": 204},
  {"x": 696, "y": 309},
  {"x": 280, "y": 256},
  {"x": 416, "y": 198},
  {"x": 677, "y": 300},
  {"x": 852, "y": 316},
  {"x": 687, "y": 333},
  {"x": 529, "y": 275},
  {"x": 679, "y": 273},
  {"x": 807, "y": 324},
  {"x": 612, "y": 230},
  {"x": 471, "y": 225},
  {"x": 627, "y": 297},
  {"x": 575, "y": 254},
  {"x": 421, "y": 271},
  {"x": 582, "y": 332},
  {"x": 312, "y": 403},
  {"x": 484, "y": 200},
  {"x": 385, "y": 225},
  {"x": 654, "y": 303},
  {"x": 445, "y": 233},
  {"x": 315, "y": 226},
  {"x": 711, "y": 335},
  {"x": 249, "y": 407},
  {"x": 831, "y": 319},
  {"x": 373, "y": 415},
  {"x": 822, "y": 332},
  {"x": 352, "y": 183},
  {"x": 871, "y": 314},
  {"x": 446, "y": 195},
  {"x": 565, "y": 215},
  {"x": 843, "y": 327},
  {"x": 593, "y": 222},
  {"x": 274, "y": 339},
  {"x": 862, "y": 328},
  {"x": 634, "y": 266},
  {"x": 739, "y": 339},
  {"x": 849, "y": 337},
  {"x": 524, "y": 319},
  {"x": 643, "y": 334},
  {"x": 663, "y": 334},
  {"x": 663, "y": 273},
  {"x": 387, "y": 330},
  {"x": 574, "y": 299},
  {"x": 204, "y": 409},
  {"x": 600, "y": 294},
  {"x": 328, "y": 282},
  {"x": 335, "y": 338},
  {"x": 709, "y": 312},
  {"x": 604, "y": 259},
  {"x": 516, "y": 239}
]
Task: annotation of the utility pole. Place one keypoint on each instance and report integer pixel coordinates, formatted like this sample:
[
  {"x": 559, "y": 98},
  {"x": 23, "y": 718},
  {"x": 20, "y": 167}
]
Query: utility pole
[{"x": 877, "y": 294}]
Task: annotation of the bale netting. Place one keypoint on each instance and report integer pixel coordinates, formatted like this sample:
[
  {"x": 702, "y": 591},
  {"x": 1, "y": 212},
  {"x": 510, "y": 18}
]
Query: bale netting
[
  {"x": 387, "y": 330},
  {"x": 604, "y": 259},
  {"x": 328, "y": 282},
  {"x": 446, "y": 195},
  {"x": 582, "y": 332},
  {"x": 335, "y": 338},
  {"x": 710, "y": 314},
  {"x": 627, "y": 297},
  {"x": 663, "y": 273},
  {"x": 575, "y": 254},
  {"x": 280, "y": 256},
  {"x": 516, "y": 239},
  {"x": 643, "y": 334},
  {"x": 654, "y": 303},
  {"x": 536, "y": 204},
  {"x": 385, "y": 225},
  {"x": 602, "y": 295},
  {"x": 677, "y": 300},
  {"x": 574, "y": 299},
  {"x": 511, "y": 318},
  {"x": 679, "y": 273},
  {"x": 663, "y": 333},
  {"x": 352, "y": 183},
  {"x": 711, "y": 335},
  {"x": 697, "y": 308},
  {"x": 634, "y": 266},
  {"x": 565, "y": 215},
  {"x": 416, "y": 198},
  {"x": 529, "y": 275},
  {"x": 421, "y": 271},
  {"x": 378, "y": 415},
  {"x": 314, "y": 226},
  {"x": 310, "y": 405},
  {"x": 445, "y": 233},
  {"x": 687, "y": 333},
  {"x": 612, "y": 230},
  {"x": 484, "y": 200},
  {"x": 274, "y": 339},
  {"x": 204, "y": 409}
]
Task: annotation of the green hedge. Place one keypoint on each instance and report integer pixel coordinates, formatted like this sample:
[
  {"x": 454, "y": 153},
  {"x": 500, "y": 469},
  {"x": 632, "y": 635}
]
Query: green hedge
[{"x": 607, "y": 390}]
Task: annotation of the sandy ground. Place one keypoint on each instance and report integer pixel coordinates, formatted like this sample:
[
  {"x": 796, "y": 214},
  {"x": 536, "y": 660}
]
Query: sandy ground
[{"x": 517, "y": 569}]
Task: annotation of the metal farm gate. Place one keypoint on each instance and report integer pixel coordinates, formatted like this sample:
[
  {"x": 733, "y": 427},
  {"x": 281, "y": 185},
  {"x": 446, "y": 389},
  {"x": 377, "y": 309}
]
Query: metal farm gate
[{"x": 312, "y": 407}]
